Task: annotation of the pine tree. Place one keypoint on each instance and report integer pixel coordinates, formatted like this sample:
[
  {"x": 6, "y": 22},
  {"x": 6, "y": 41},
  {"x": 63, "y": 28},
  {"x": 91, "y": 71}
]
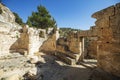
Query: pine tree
[
  {"x": 18, "y": 19},
  {"x": 41, "y": 19}
]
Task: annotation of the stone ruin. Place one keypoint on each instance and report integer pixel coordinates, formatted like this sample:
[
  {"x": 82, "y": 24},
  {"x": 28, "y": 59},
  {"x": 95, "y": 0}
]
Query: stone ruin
[
  {"x": 102, "y": 40},
  {"x": 29, "y": 41},
  {"x": 108, "y": 44}
]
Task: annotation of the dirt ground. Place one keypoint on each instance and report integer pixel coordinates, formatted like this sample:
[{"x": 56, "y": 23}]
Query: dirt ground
[
  {"x": 53, "y": 69},
  {"x": 48, "y": 68}
]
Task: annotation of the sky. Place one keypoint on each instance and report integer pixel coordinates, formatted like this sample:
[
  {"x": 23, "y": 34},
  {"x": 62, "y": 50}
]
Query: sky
[{"x": 67, "y": 13}]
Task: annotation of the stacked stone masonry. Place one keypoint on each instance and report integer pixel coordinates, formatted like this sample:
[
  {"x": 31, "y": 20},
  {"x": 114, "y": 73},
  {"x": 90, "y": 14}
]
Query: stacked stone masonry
[
  {"x": 108, "y": 44},
  {"x": 106, "y": 47}
]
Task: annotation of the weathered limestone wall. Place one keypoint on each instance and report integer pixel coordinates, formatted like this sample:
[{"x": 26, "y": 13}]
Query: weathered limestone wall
[
  {"x": 62, "y": 45},
  {"x": 74, "y": 43},
  {"x": 35, "y": 41},
  {"x": 29, "y": 41},
  {"x": 92, "y": 47},
  {"x": 22, "y": 42},
  {"x": 6, "y": 40},
  {"x": 14, "y": 38},
  {"x": 108, "y": 24},
  {"x": 7, "y": 21},
  {"x": 49, "y": 45},
  {"x": 71, "y": 43},
  {"x": 8, "y": 30},
  {"x": 7, "y": 15}
]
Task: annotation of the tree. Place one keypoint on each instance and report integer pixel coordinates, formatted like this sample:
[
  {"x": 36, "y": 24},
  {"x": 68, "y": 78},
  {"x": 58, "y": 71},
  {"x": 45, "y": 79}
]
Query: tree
[
  {"x": 18, "y": 19},
  {"x": 41, "y": 19}
]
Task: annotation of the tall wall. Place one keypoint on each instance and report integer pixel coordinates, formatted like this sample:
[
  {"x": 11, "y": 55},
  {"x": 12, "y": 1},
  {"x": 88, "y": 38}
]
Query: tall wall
[
  {"x": 108, "y": 25},
  {"x": 49, "y": 45},
  {"x": 6, "y": 40},
  {"x": 22, "y": 43},
  {"x": 8, "y": 30},
  {"x": 29, "y": 41},
  {"x": 92, "y": 47},
  {"x": 71, "y": 43},
  {"x": 35, "y": 41},
  {"x": 74, "y": 43}
]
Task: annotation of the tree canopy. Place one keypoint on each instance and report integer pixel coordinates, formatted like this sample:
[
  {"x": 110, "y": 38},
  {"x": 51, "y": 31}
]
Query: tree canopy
[
  {"x": 18, "y": 19},
  {"x": 41, "y": 19}
]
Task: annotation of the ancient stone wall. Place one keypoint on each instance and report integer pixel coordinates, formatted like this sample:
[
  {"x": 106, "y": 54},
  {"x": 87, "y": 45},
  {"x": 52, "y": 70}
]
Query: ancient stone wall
[
  {"x": 6, "y": 40},
  {"x": 74, "y": 43},
  {"x": 49, "y": 46},
  {"x": 92, "y": 47},
  {"x": 14, "y": 38},
  {"x": 22, "y": 42},
  {"x": 61, "y": 44},
  {"x": 69, "y": 44},
  {"x": 29, "y": 41},
  {"x": 108, "y": 24},
  {"x": 35, "y": 40},
  {"x": 8, "y": 30}
]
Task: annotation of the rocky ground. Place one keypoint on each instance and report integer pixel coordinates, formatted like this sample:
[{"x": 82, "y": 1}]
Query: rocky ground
[
  {"x": 48, "y": 68},
  {"x": 14, "y": 64}
]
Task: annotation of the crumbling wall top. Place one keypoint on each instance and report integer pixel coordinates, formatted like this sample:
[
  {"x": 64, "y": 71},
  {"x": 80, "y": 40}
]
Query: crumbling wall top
[{"x": 104, "y": 13}]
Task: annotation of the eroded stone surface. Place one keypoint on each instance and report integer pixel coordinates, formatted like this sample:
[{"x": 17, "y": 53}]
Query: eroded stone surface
[
  {"x": 109, "y": 40},
  {"x": 14, "y": 64}
]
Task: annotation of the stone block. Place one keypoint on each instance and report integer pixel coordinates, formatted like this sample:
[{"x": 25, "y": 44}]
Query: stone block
[{"x": 66, "y": 59}]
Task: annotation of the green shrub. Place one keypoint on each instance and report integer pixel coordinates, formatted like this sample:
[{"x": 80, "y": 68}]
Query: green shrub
[{"x": 18, "y": 19}]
